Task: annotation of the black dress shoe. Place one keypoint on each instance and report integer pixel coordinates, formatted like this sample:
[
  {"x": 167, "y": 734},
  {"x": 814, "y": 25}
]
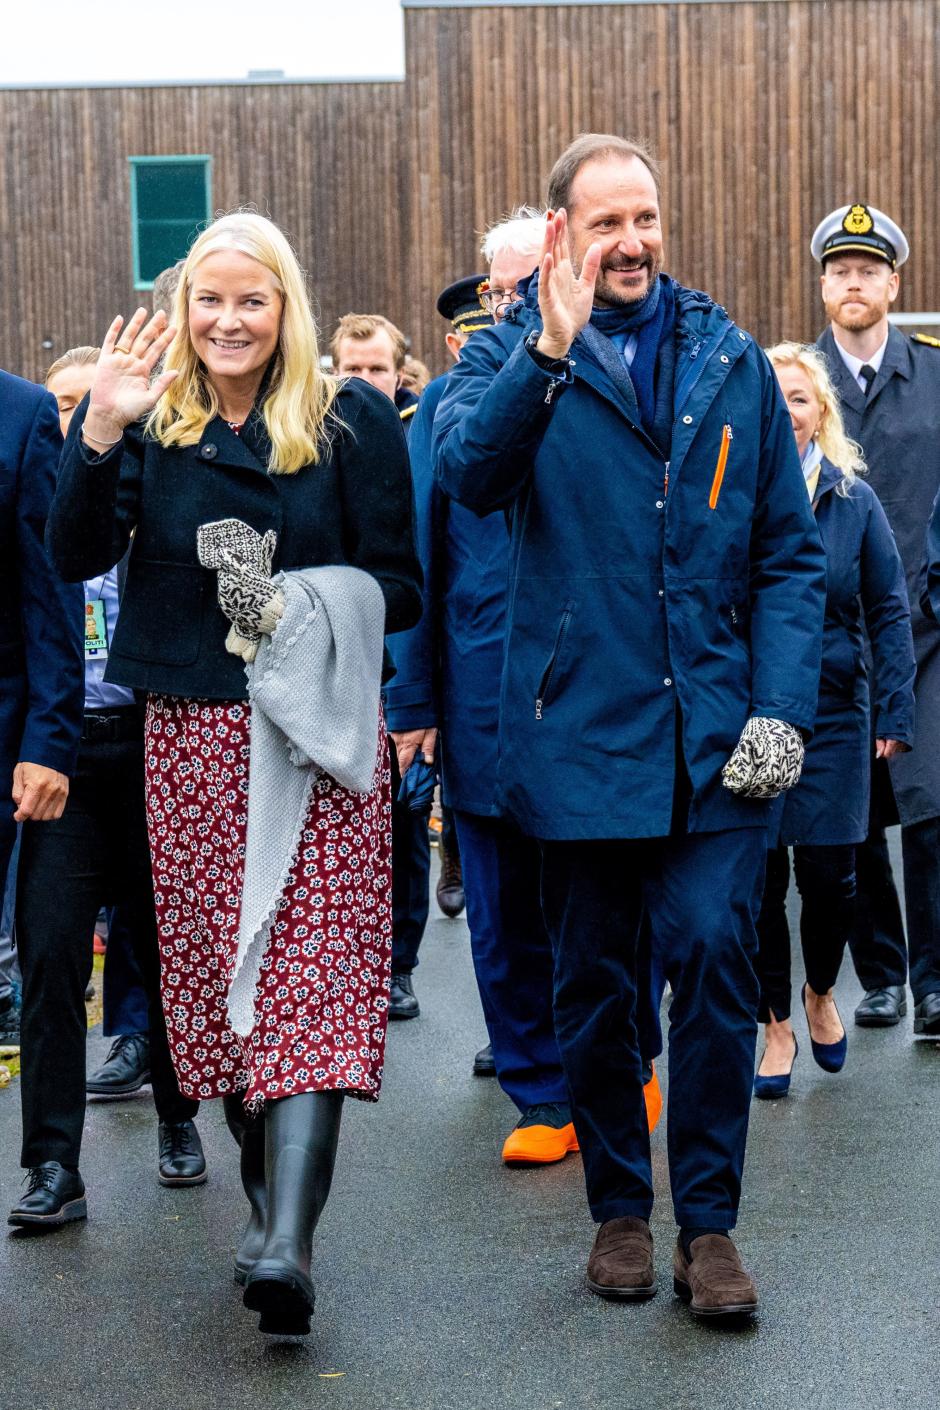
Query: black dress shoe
[
  {"x": 927, "y": 1016},
  {"x": 402, "y": 1002},
  {"x": 9, "y": 1025},
  {"x": 181, "y": 1159},
  {"x": 882, "y": 1008},
  {"x": 54, "y": 1196},
  {"x": 125, "y": 1069},
  {"x": 484, "y": 1064},
  {"x": 449, "y": 890}
]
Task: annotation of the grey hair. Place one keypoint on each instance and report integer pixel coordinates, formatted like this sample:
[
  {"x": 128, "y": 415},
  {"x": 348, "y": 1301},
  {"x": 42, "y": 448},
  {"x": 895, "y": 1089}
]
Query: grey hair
[{"x": 522, "y": 232}]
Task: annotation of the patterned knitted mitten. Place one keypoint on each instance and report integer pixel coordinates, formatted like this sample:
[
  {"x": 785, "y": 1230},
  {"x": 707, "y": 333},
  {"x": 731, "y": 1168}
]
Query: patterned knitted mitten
[
  {"x": 247, "y": 596},
  {"x": 249, "y": 599},
  {"x": 767, "y": 759}
]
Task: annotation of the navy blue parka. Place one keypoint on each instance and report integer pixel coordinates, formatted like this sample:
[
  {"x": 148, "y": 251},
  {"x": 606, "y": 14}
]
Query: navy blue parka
[
  {"x": 448, "y": 667},
  {"x": 652, "y": 606},
  {"x": 865, "y": 582}
]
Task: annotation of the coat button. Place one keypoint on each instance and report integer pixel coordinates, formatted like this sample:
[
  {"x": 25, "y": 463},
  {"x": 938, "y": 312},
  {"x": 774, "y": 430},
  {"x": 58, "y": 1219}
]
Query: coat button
[
  {"x": 209, "y": 451},
  {"x": 668, "y": 680},
  {"x": 687, "y": 421},
  {"x": 660, "y": 503},
  {"x": 661, "y": 593},
  {"x": 725, "y": 358},
  {"x": 743, "y": 337}
]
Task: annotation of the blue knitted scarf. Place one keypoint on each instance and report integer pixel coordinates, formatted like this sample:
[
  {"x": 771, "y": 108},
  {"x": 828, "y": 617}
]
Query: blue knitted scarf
[{"x": 652, "y": 321}]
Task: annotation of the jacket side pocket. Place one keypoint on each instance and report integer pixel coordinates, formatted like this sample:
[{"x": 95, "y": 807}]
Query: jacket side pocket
[
  {"x": 544, "y": 687},
  {"x": 726, "y": 439}
]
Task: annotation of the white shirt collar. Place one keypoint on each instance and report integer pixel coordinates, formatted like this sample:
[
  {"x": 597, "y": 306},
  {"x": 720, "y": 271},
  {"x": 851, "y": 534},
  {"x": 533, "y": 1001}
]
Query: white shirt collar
[{"x": 855, "y": 363}]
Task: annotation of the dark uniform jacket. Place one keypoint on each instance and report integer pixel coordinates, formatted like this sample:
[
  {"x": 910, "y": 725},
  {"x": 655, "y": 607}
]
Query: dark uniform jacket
[
  {"x": 898, "y": 428},
  {"x": 864, "y": 581},
  {"x": 42, "y": 674},
  {"x": 354, "y": 508},
  {"x": 449, "y": 666},
  {"x": 638, "y": 616}
]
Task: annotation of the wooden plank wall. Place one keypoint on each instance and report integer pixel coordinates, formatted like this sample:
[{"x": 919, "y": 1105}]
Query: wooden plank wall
[
  {"x": 766, "y": 113},
  {"x": 325, "y": 161}
]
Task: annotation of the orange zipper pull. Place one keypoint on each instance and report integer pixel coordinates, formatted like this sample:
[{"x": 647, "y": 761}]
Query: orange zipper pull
[{"x": 726, "y": 438}]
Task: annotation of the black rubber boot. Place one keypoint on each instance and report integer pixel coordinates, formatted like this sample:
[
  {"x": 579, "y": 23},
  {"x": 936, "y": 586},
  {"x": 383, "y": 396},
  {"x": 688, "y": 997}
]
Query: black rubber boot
[
  {"x": 249, "y": 1133},
  {"x": 301, "y": 1135}
]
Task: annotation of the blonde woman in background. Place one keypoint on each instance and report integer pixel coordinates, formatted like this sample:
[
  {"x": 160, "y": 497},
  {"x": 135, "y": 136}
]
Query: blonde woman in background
[
  {"x": 826, "y": 815},
  {"x": 243, "y": 424}
]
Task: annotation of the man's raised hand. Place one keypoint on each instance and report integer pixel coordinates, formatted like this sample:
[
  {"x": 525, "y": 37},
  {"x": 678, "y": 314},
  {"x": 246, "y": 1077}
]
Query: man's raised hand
[
  {"x": 565, "y": 300},
  {"x": 122, "y": 391}
]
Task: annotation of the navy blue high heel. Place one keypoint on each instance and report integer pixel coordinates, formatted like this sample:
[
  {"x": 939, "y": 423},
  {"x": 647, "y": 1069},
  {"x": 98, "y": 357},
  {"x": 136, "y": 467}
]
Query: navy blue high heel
[
  {"x": 829, "y": 1056},
  {"x": 768, "y": 1089}
]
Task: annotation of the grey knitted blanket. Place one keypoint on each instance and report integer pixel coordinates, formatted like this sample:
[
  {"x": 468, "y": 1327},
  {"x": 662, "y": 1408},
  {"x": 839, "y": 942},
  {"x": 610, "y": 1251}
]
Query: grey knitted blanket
[{"x": 314, "y": 692}]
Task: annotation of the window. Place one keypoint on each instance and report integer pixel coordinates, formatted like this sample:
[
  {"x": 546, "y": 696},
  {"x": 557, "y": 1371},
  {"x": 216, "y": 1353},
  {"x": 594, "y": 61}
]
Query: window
[{"x": 171, "y": 198}]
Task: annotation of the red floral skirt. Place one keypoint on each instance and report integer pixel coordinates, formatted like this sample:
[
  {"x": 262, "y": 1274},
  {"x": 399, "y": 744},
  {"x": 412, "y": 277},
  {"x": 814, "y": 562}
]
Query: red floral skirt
[{"x": 321, "y": 1003}]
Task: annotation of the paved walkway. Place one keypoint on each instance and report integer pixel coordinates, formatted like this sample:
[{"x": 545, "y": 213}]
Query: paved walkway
[{"x": 447, "y": 1282}]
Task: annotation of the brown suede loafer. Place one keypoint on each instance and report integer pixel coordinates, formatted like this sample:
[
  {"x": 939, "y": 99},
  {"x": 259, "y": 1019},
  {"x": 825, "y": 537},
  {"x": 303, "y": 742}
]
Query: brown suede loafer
[
  {"x": 714, "y": 1281},
  {"x": 621, "y": 1261}
]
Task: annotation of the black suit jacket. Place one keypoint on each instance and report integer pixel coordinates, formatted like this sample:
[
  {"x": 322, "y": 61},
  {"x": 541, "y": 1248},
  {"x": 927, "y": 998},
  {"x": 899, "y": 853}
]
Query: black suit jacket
[
  {"x": 42, "y": 676},
  {"x": 355, "y": 508}
]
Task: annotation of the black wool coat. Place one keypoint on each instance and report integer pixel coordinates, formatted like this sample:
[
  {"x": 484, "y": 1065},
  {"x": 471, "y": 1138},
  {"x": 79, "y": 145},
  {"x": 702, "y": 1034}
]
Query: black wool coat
[{"x": 354, "y": 508}]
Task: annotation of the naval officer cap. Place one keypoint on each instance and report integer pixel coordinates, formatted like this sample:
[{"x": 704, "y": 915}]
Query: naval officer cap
[
  {"x": 462, "y": 304},
  {"x": 860, "y": 230}
]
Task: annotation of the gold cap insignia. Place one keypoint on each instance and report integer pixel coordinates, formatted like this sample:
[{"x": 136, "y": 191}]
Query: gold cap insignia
[{"x": 858, "y": 221}]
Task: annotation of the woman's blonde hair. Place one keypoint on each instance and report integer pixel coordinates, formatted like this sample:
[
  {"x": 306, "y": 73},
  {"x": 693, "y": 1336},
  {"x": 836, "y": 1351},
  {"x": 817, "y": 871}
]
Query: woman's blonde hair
[
  {"x": 75, "y": 357},
  {"x": 846, "y": 455},
  {"x": 298, "y": 396}
]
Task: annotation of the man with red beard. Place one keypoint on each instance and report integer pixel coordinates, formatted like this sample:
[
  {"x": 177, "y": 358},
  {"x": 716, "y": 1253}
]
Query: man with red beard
[{"x": 890, "y": 390}]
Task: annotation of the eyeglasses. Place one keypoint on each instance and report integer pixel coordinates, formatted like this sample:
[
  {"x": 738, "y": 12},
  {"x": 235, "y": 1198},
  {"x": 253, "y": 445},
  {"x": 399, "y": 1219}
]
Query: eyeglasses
[{"x": 499, "y": 301}]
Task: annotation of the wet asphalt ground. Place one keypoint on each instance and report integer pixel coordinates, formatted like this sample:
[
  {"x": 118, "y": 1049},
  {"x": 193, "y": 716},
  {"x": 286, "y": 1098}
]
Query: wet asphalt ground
[{"x": 446, "y": 1281}]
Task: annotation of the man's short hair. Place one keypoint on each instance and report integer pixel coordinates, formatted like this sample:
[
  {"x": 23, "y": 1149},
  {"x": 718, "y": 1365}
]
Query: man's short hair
[
  {"x": 590, "y": 147},
  {"x": 365, "y": 325},
  {"x": 164, "y": 288},
  {"x": 522, "y": 232}
]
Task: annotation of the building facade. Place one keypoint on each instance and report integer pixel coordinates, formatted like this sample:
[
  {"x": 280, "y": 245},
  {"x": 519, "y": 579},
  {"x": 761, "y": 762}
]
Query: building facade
[{"x": 765, "y": 113}]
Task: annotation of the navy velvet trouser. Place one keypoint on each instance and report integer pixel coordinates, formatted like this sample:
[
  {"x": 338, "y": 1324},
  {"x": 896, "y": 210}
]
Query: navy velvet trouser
[
  {"x": 411, "y": 877},
  {"x": 701, "y": 895},
  {"x": 125, "y": 1008},
  {"x": 512, "y": 957}
]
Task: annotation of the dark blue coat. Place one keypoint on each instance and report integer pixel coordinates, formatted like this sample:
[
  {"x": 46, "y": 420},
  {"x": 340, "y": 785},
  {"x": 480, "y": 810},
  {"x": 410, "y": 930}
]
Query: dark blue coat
[
  {"x": 42, "y": 670},
  {"x": 898, "y": 428},
  {"x": 448, "y": 667},
  {"x": 631, "y": 609},
  {"x": 865, "y": 582}
]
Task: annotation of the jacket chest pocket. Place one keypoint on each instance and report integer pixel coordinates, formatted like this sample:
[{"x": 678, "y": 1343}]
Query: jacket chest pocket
[
  {"x": 161, "y": 612},
  {"x": 549, "y": 678}
]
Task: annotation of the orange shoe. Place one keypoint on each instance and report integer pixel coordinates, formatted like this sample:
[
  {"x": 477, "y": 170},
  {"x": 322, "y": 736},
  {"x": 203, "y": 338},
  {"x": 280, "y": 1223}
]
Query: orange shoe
[
  {"x": 654, "y": 1100},
  {"x": 544, "y": 1134}
]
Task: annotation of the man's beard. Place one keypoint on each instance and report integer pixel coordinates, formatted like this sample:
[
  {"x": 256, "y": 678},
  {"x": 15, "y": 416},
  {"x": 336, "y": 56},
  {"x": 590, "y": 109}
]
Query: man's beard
[
  {"x": 611, "y": 294},
  {"x": 859, "y": 319}
]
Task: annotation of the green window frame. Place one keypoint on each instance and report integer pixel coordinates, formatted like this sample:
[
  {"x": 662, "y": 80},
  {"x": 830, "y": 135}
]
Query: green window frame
[{"x": 171, "y": 200}]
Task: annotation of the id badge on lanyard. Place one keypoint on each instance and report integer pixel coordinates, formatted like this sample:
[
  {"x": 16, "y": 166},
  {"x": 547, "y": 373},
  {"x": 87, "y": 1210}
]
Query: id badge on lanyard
[{"x": 96, "y": 631}]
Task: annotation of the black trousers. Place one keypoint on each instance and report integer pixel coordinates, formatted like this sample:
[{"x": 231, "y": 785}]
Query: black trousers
[
  {"x": 825, "y": 879},
  {"x": 95, "y": 855},
  {"x": 878, "y": 949},
  {"x": 700, "y": 895},
  {"x": 411, "y": 877}
]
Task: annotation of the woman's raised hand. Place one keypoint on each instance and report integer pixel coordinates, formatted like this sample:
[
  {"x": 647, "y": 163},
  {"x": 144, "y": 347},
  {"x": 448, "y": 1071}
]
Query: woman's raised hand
[
  {"x": 565, "y": 300},
  {"x": 122, "y": 391}
]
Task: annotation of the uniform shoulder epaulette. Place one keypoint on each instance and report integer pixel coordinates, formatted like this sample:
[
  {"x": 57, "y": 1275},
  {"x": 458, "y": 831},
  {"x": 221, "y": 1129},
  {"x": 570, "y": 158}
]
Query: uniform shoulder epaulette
[
  {"x": 926, "y": 339},
  {"x": 410, "y": 410}
]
